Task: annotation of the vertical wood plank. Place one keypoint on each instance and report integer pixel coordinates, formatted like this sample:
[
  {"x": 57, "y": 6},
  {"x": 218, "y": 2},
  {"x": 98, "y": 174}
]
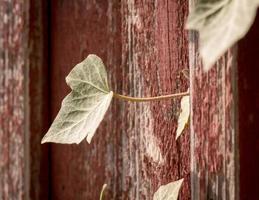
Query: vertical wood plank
[
  {"x": 39, "y": 112},
  {"x": 144, "y": 47},
  {"x": 79, "y": 171},
  {"x": 248, "y": 109},
  {"x": 213, "y": 127},
  {"x": 13, "y": 54},
  {"x": 154, "y": 52}
]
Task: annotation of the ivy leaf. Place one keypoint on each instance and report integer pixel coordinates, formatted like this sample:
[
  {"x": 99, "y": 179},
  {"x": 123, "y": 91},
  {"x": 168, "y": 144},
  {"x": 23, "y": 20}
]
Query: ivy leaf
[
  {"x": 184, "y": 115},
  {"x": 84, "y": 107},
  {"x": 169, "y": 191},
  {"x": 220, "y": 23}
]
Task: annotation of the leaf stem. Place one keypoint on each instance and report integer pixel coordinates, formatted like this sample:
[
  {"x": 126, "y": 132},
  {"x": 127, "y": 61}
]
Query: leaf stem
[
  {"x": 143, "y": 99},
  {"x": 102, "y": 191}
]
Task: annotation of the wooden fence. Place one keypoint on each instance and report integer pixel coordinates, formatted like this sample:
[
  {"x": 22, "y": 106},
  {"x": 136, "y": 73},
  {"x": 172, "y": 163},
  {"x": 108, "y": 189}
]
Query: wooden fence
[{"x": 145, "y": 48}]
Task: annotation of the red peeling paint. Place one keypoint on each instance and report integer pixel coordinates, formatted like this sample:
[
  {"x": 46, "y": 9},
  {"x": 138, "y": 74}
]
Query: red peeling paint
[
  {"x": 145, "y": 48},
  {"x": 213, "y": 127}
]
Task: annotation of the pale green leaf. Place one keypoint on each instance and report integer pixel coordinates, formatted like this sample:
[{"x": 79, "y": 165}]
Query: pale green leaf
[
  {"x": 169, "y": 191},
  {"x": 220, "y": 23},
  {"x": 184, "y": 115},
  {"x": 84, "y": 107}
]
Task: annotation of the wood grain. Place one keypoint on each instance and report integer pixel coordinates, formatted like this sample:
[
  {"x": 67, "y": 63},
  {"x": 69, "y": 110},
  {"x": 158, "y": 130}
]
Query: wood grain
[
  {"x": 79, "y": 171},
  {"x": 214, "y": 133},
  {"x": 144, "y": 47},
  {"x": 13, "y": 51},
  {"x": 155, "y": 51},
  {"x": 213, "y": 130}
]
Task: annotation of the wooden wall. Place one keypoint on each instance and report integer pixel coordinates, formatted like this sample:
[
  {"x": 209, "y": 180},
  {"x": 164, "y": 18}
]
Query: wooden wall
[
  {"x": 13, "y": 99},
  {"x": 39, "y": 98},
  {"x": 134, "y": 151},
  {"x": 145, "y": 48}
]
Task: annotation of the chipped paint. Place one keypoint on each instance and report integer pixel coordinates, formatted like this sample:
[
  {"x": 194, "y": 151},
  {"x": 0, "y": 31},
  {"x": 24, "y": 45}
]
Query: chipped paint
[
  {"x": 151, "y": 52},
  {"x": 144, "y": 47},
  {"x": 150, "y": 143},
  {"x": 213, "y": 130}
]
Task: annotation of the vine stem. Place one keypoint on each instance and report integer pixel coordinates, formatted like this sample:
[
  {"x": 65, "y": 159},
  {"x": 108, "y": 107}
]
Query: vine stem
[
  {"x": 143, "y": 99},
  {"x": 101, "y": 194}
]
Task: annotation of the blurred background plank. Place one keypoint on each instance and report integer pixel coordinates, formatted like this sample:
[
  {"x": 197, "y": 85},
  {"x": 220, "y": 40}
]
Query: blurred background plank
[
  {"x": 213, "y": 127},
  {"x": 248, "y": 109},
  {"x": 13, "y": 101},
  {"x": 39, "y": 98}
]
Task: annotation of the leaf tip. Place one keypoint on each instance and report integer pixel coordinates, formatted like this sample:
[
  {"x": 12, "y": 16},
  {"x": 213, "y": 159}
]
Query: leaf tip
[
  {"x": 47, "y": 138},
  {"x": 184, "y": 115},
  {"x": 89, "y": 139},
  {"x": 93, "y": 57},
  {"x": 179, "y": 132},
  {"x": 169, "y": 191},
  {"x": 208, "y": 61},
  {"x": 181, "y": 180},
  {"x": 44, "y": 140}
]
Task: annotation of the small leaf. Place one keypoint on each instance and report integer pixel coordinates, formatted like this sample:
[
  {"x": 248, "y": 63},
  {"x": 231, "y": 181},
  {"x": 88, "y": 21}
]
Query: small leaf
[
  {"x": 169, "y": 191},
  {"x": 84, "y": 107},
  {"x": 184, "y": 115},
  {"x": 220, "y": 23}
]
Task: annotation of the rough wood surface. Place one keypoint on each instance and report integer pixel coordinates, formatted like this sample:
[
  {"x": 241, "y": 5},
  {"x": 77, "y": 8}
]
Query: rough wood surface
[
  {"x": 248, "y": 109},
  {"x": 79, "y": 171},
  {"x": 13, "y": 51},
  {"x": 213, "y": 131},
  {"x": 155, "y": 51},
  {"x": 145, "y": 49},
  {"x": 214, "y": 161}
]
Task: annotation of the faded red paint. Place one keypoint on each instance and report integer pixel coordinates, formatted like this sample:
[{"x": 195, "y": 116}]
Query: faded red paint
[
  {"x": 79, "y": 171},
  {"x": 145, "y": 49},
  {"x": 214, "y": 163},
  {"x": 13, "y": 52},
  {"x": 155, "y": 51},
  {"x": 248, "y": 109}
]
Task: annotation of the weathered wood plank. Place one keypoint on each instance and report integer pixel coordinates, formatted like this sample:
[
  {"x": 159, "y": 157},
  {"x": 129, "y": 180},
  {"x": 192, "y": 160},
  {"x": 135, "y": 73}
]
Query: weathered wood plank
[
  {"x": 13, "y": 54},
  {"x": 214, "y": 144},
  {"x": 213, "y": 131},
  {"x": 79, "y": 171},
  {"x": 155, "y": 51},
  {"x": 145, "y": 49}
]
